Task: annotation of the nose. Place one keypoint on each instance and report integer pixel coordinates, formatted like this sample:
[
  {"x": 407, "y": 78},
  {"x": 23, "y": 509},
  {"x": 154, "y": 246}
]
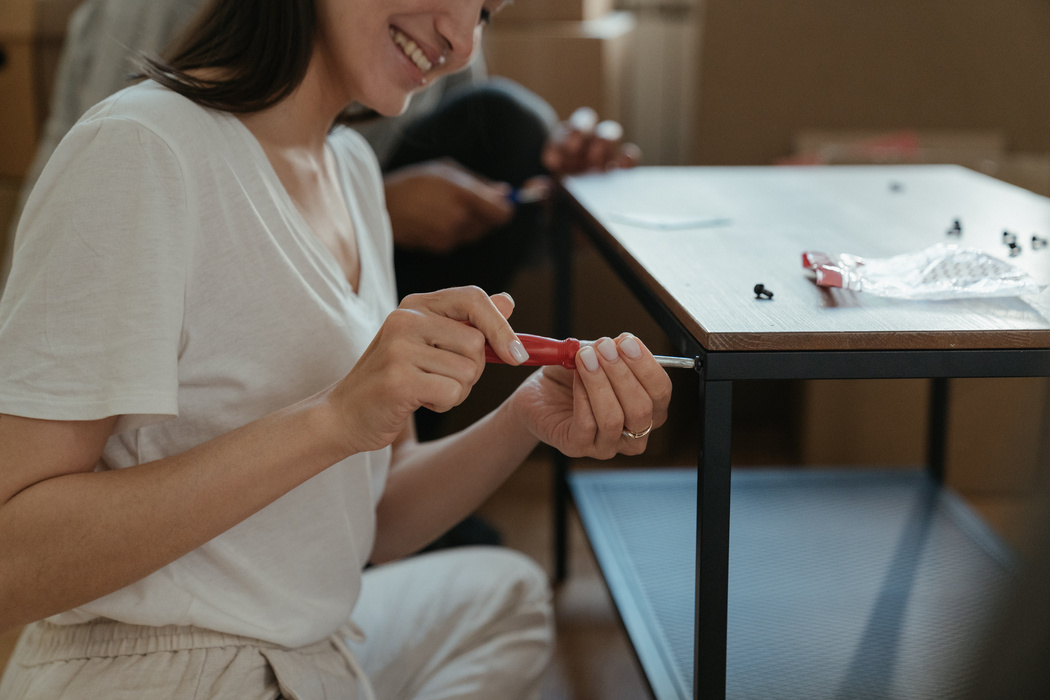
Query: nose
[{"x": 460, "y": 31}]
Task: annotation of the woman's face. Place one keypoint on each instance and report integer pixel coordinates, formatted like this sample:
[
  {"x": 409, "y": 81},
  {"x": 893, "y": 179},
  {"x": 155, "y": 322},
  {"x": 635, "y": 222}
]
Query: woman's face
[{"x": 379, "y": 52}]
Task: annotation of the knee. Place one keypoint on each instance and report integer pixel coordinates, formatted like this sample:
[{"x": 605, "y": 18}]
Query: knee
[
  {"x": 510, "y": 108},
  {"x": 521, "y": 586},
  {"x": 512, "y": 571}
]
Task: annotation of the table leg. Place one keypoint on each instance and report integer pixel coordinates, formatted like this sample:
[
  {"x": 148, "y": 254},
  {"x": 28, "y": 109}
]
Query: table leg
[
  {"x": 561, "y": 258},
  {"x": 712, "y": 539},
  {"x": 937, "y": 437}
]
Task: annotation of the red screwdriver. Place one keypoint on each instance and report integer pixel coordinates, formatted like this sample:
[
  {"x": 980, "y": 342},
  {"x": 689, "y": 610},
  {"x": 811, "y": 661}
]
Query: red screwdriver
[{"x": 548, "y": 351}]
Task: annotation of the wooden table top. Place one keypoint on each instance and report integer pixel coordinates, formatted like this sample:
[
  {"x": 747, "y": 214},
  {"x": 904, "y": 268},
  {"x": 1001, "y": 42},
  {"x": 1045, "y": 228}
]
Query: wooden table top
[{"x": 702, "y": 237}]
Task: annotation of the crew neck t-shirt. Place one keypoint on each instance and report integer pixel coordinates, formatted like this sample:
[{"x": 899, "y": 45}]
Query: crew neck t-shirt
[{"x": 163, "y": 274}]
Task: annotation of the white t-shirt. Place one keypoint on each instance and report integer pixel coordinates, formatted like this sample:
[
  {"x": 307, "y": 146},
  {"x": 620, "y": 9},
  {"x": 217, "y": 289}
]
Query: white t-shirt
[{"x": 163, "y": 274}]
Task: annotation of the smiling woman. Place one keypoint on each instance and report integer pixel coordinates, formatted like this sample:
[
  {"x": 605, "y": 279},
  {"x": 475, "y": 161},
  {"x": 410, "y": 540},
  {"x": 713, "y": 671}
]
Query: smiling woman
[{"x": 208, "y": 386}]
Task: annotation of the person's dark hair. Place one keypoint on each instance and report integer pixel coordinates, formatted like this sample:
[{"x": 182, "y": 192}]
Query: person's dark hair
[{"x": 260, "y": 50}]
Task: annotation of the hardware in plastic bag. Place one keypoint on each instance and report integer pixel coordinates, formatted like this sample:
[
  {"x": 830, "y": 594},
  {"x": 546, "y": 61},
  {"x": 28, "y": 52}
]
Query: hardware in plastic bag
[{"x": 942, "y": 271}]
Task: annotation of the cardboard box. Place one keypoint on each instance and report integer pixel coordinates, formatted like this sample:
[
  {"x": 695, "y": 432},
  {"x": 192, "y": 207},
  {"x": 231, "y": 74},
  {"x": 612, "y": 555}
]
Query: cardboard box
[
  {"x": 770, "y": 69},
  {"x": 994, "y": 434},
  {"x": 970, "y": 148},
  {"x": 880, "y": 422},
  {"x": 995, "y": 437},
  {"x": 981, "y": 150},
  {"x": 548, "y": 10},
  {"x": 1028, "y": 170},
  {"x": 9, "y": 191},
  {"x": 19, "y": 127},
  {"x": 31, "y": 36},
  {"x": 569, "y": 64}
]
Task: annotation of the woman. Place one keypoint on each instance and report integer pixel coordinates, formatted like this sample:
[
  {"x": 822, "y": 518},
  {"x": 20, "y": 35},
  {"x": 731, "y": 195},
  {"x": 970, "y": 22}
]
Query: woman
[{"x": 206, "y": 393}]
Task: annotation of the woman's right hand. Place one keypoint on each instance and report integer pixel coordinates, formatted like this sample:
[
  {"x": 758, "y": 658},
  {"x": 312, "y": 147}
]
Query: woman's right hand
[{"x": 429, "y": 353}]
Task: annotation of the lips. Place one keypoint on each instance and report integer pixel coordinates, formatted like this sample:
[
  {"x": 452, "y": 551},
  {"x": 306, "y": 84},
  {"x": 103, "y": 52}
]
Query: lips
[{"x": 411, "y": 50}]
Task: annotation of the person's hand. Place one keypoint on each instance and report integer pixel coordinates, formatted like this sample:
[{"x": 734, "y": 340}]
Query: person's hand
[
  {"x": 438, "y": 205},
  {"x": 429, "y": 353},
  {"x": 616, "y": 386},
  {"x": 583, "y": 144}
]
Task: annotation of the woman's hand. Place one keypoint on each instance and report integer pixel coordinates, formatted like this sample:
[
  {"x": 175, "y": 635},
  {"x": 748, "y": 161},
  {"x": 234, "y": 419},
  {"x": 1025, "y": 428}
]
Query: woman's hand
[
  {"x": 617, "y": 386},
  {"x": 429, "y": 353}
]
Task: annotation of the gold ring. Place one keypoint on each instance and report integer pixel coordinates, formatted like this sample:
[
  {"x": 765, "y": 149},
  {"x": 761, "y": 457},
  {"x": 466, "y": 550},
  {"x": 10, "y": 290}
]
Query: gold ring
[{"x": 635, "y": 436}]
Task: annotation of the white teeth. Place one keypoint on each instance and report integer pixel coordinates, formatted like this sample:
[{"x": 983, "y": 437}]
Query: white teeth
[{"x": 410, "y": 49}]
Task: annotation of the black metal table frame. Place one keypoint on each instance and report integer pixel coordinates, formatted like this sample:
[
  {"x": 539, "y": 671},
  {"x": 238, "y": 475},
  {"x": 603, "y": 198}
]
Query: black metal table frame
[{"x": 717, "y": 372}]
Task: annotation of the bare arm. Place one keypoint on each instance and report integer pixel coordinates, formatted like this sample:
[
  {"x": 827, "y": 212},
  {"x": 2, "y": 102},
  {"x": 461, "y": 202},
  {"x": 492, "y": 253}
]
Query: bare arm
[
  {"x": 69, "y": 535},
  {"x": 583, "y": 413},
  {"x": 433, "y": 485}
]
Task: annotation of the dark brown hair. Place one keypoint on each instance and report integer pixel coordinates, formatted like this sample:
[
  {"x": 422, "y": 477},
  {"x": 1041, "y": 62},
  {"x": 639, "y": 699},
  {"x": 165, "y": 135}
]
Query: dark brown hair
[{"x": 259, "y": 48}]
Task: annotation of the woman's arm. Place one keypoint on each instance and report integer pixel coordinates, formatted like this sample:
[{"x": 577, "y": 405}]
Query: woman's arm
[
  {"x": 69, "y": 535},
  {"x": 433, "y": 485}
]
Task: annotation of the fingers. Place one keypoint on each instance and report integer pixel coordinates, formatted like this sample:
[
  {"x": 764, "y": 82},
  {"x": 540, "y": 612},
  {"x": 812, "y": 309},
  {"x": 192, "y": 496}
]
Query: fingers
[
  {"x": 603, "y": 414},
  {"x": 504, "y": 303},
  {"x": 630, "y": 156},
  {"x": 649, "y": 374},
  {"x": 583, "y": 119},
  {"x": 483, "y": 198},
  {"x": 438, "y": 205},
  {"x": 429, "y": 352},
  {"x": 489, "y": 203},
  {"x": 582, "y": 144},
  {"x": 485, "y": 314},
  {"x": 626, "y": 390}
]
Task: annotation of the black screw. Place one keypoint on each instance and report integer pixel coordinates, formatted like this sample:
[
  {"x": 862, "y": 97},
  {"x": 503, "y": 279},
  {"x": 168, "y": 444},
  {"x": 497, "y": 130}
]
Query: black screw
[
  {"x": 1038, "y": 242},
  {"x": 762, "y": 292},
  {"x": 956, "y": 229},
  {"x": 1015, "y": 249}
]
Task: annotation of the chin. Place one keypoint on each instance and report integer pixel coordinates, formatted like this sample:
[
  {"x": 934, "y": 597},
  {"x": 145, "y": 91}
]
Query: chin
[{"x": 392, "y": 107}]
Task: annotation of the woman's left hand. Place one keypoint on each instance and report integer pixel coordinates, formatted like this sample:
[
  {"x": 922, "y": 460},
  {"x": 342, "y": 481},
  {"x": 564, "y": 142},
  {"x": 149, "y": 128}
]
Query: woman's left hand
[{"x": 617, "y": 386}]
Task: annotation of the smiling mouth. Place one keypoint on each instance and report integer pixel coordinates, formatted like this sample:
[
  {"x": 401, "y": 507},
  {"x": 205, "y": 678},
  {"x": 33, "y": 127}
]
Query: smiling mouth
[{"x": 412, "y": 50}]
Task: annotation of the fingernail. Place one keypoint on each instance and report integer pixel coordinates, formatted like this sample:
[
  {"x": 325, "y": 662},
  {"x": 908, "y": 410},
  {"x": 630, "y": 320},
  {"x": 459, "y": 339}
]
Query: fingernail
[
  {"x": 608, "y": 350},
  {"x": 589, "y": 359},
  {"x": 630, "y": 347},
  {"x": 518, "y": 350}
]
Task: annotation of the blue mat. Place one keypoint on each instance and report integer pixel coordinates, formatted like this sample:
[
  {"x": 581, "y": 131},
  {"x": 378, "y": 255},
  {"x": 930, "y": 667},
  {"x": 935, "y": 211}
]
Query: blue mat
[{"x": 843, "y": 584}]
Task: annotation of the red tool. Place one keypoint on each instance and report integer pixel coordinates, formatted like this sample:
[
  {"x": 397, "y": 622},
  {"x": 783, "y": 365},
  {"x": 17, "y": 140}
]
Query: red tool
[{"x": 548, "y": 351}]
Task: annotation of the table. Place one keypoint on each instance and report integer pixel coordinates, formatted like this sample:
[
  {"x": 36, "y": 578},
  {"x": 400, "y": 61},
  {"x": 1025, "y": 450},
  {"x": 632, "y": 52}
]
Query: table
[{"x": 692, "y": 243}]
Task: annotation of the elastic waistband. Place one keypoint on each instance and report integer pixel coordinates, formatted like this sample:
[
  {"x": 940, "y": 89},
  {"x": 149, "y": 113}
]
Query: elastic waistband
[{"x": 46, "y": 642}]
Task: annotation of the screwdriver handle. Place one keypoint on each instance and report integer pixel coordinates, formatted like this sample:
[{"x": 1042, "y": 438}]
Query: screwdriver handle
[
  {"x": 543, "y": 351},
  {"x": 548, "y": 351}
]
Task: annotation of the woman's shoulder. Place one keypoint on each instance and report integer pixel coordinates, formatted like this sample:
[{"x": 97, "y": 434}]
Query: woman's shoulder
[{"x": 147, "y": 105}]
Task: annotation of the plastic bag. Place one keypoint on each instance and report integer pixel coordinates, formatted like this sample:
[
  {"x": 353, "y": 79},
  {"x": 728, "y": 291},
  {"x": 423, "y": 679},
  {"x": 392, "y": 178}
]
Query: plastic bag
[{"x": 942, "y": 271}]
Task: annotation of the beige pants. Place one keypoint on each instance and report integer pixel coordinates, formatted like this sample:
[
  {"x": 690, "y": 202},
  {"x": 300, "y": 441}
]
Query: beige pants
[{"x": 465, "y": 623}]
